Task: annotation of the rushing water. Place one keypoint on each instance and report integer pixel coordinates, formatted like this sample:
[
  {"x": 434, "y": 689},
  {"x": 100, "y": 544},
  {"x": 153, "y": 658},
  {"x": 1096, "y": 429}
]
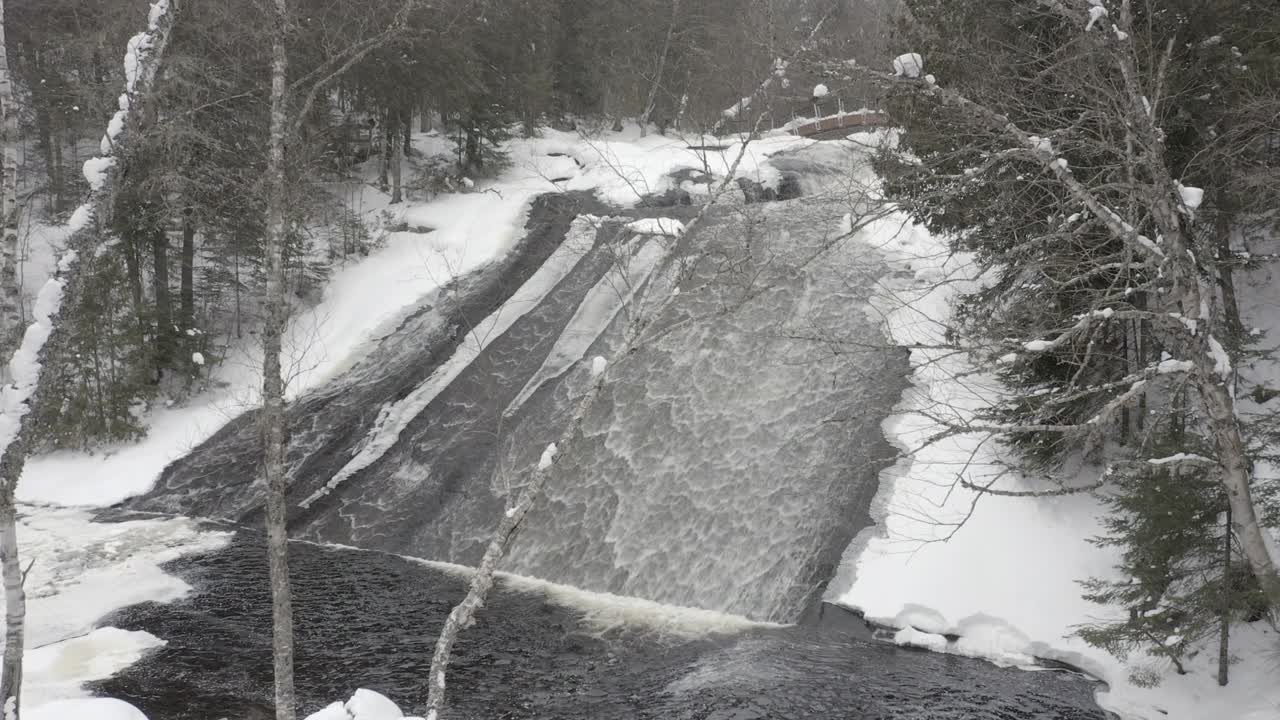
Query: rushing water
[{"x": 725, "y": 466}]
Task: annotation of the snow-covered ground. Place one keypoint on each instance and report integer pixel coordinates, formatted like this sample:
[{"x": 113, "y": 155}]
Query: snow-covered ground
[{"x": 1002, "y": 572}]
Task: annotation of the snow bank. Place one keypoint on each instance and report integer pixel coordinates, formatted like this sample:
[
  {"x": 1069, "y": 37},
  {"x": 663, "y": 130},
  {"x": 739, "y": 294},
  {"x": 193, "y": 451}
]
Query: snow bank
[
  {"x": 82, "y": 571},
  {"x": 363, "y": 705},
  {"x": 89, "y": 709}
]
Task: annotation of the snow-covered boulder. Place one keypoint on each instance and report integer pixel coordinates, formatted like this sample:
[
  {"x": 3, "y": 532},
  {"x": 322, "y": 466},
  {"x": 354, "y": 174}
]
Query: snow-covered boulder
[
  {"x": 363, "y": 705},
  {"x": 908, "y": 65}
]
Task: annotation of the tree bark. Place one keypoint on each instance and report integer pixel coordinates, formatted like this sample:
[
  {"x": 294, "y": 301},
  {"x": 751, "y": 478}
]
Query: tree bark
[
  {"x": 1226, "y": 279},
  {"x": 44, "y": 130},
  {"x": 10, "y": 295},
  {"x": 133, "y": 270},
  {"x": 406, "y": 128},
  {"x": 384, "y": 152},
  {"x": 186, "y": 291},
  {"x": 273, "y": 416},
  {"x": 1224, "y": 638},
  {"x": 164, "y": 302},
  {"x": 395, "y": 157},
  {"x": 15, "y": 605}
]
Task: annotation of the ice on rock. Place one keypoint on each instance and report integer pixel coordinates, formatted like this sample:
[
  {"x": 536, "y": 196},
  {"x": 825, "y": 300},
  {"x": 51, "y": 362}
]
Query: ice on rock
[
  {"x": 548, "y": 456},
  {"x": 820, "y": 91},
  {"x": 1192, "y": 197},
  {"x": 657, "y": 226},
  {"x": 911, "y": 637},
  {"x": 908, "y": 65}
]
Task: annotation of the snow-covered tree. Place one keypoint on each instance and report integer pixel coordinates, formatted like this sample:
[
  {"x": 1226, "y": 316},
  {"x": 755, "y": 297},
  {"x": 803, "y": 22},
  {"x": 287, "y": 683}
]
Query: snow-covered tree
[
  {"x": 25, "y": 386},
  {"x": 1050, "y": 138}
]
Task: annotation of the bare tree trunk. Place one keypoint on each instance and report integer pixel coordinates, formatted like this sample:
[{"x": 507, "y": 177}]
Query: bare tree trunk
[
  {"x": 384, "y": 152},
  {"x": 1226, "y": 279},
  {"x": 164, "y": 303},
  {"x": 662, "y": 65},
  {"x": 273, "y": 417},
  {"x": 186, "y": 290},
  {"x": 406, "y": 128},
  {"x": 1224, "y": 639},
  {"x": 15, "y": 605},
  {"x": 45, "y": 132},
  {"x": 395, "y": 157}
]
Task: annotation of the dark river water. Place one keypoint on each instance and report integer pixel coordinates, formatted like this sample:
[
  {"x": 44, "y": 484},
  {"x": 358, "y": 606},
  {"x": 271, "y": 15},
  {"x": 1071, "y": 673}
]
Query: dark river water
[
  {"x": 367, "y": 619},
  {"x": 727, "y": 465}
]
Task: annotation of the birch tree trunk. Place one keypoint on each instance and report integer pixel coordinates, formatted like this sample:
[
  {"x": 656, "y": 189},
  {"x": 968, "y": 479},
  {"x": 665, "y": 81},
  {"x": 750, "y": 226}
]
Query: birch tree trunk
[
  {"x": 10, "y": 301},
  {"x": 273, "y": 417}
]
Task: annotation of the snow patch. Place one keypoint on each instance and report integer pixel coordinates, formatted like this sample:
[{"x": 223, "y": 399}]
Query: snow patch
[
  {"x": 908, "y": 65},
  {"x": 657, "y": 226},
  {"x": 548, "y": 456}
]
